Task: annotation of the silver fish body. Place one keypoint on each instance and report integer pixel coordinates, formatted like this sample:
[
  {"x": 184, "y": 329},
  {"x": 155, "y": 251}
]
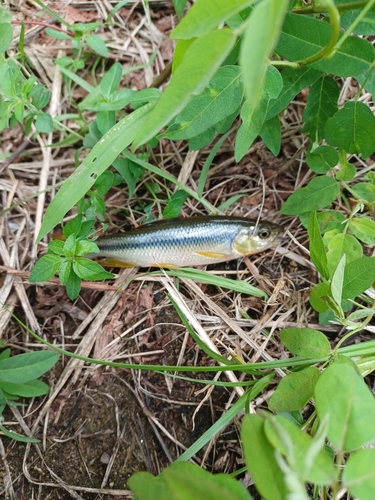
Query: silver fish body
[{"x": 194, "y": 241}]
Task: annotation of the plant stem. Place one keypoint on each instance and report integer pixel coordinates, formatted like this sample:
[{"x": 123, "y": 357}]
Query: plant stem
[
  {"x": 356, "y": 21},
  {"x": 329, "y": 49},
  {"x": 47, "y": 25},
  {"x": 320, "y": 9}
]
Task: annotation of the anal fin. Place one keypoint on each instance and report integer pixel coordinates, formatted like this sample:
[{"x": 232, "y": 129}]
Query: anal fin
[
  {"x": 212, "y": 255},
  {"x": 113, "y": 262}
]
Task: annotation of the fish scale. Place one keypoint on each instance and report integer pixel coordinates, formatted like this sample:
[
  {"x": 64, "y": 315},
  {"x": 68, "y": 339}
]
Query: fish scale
[{"x": 189, "y": 242}]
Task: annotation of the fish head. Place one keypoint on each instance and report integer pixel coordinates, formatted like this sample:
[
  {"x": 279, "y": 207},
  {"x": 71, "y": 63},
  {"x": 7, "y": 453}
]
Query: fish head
[{"x": 255, "y": 237}]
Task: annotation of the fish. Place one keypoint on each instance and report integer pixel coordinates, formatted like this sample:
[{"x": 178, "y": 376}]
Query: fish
[{"x": 192, "y": 241}]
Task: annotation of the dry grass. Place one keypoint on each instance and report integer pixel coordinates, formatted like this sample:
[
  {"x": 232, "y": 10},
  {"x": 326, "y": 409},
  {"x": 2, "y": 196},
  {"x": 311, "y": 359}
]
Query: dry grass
[{"x": 98, "y": 426}]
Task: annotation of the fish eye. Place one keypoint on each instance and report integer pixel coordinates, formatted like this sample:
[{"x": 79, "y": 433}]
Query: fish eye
[{"x": 264, "y": 233}]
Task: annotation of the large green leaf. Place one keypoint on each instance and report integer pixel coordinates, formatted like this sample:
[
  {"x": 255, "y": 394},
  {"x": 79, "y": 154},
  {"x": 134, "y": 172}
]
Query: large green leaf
[
  {"x": 342, "y": 394},
  {"x": 305, "y": 342},
  {"x": 302, "y": 37},
  {"x": 6, "y": 35},
  {"x": 97, "y": 161},
  {"x": 339, "y": 245},
  {"x": 262, "y": 33},
  {"x": 205, "y": 15},
  {"x": 347, "y": 17},
  {"x": 25, "y": 367},
  {"x": 186, "y": 481},
  {"x": 359, "y": 276},
  {"x": 271, "y": 134},
  {"x": 322, "y": 159},
  {"x": 223, "y": 94},
  {"x": 294, "y": 80},
  {"x": 295, "y": 390},
  {"x": 352, "y": 129},
  {"x": 310, "y": 462},
  {"x": 191, "y": 77},
  {"x": 321, "y": 104},
  {"x": 319, "y": 193},
  {"x": 364, "y": 229},
  {"x": 359, "y": 474},
  {"x": 31, "y": 389},
  {"x": 260, "y": 460},
  {"x": 317, "y": 250},
  {"x": 253, "y": 118}
]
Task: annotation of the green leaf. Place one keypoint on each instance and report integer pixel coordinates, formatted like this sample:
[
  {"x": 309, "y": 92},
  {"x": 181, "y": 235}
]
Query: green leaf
[
  {"x": 295, "y": 390},
  {"x": 25, "y": 367},
  {"x": 327, "y": 220},
  {"x": 337, "y": 281},
  {"x": 111, "y": 80},
  {"x": 342, "y": 394},
  {"x": 56, "y": 247},
  {"x": 319, "y": 193},
  {"x": 347, "y": 17},
  {"x": 365, "y": 191},
  {"x": 179, "y": 7},
  {"x": 186, "y": 481},
  {"x": 89, "y": 270},
  {"x": 130, "y": 172},
  {"x": 260, "y": 460},
  {"x": 17, "y": 437},
  {"x": 202, "y": 140},
  {"x": 5, "y": 16},
  {"x": 342, "y": 244},
  {"x": 44, "y": 123},
  {"x": 312, "y": 465},
  {"x": 223, "y": 94},
  {"x": 31, "y": 389},
  {"x": 69, "y": 249},
  {"x": 85, "y": 246},
  {"x": 317, "y": 250},
  {"x": 302, "y": 37},
  {"x": 322, "y": 159},
  {"x": 359, "y": 314},
  {"x": 174, "y": 206},
  {"x": 5, "y": 354},
  {"x": 64, "y": 271},
  {"x": 271, "y": 134},
  {"x": 261, "y": 35},
  {"x": 105, "y": 120},
  {"x": 253, "y": 118},
  {"x": 40, "y": 96},
  {"x": 100, "y": 158},
  {"x": 59, "y": 35},
  {"x": 359, "y": 276},
  {"x": 319, "y": 297},
  {"x": 45, "y": 268},
  {"x": 6, "y": 36},
  {"x": 359, "y": 474},
  {"x": 199, "y": 64},
  {"x": 352, "y": 128},
  {"x": 182, "y": 46},
  {"x": 321, "y": 104},
  {"x": 294, "y": 80},
  {"x": 305, "y": 342},
  {"x": 73, "y": 285},
  {"x": 206, "y": 15},
  {"x": 73, "y": 226},
  {"x": 364, "y": 229},
  {"x": 96, "y": 43}
]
